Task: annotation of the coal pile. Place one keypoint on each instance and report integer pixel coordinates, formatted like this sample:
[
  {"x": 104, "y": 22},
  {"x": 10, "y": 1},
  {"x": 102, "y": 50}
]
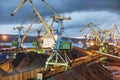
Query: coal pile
[
  {"x": 29, "y": 61},
  {"x": 85, "y": 67},
  {"x": 26, "y": 62}
]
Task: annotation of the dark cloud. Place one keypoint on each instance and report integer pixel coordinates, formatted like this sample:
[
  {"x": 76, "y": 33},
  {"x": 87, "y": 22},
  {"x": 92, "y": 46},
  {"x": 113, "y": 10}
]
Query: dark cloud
[
  {"x": 61, "y": 6},
  {"x": 72, "y": 5}
]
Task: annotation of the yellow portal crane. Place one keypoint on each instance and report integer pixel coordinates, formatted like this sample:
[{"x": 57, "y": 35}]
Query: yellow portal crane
[
  {"x": 105, "y": 34},
  {"x": 42, "y": 21},
  {"x": 38, "y": 15},
  {"x": 93, "y": 31},
  {"x": 55, "y": 58},
  {"x": 111, "y": 33},
  {"x": 114, "y": 30},
  {"x": 64, "y": 62}
]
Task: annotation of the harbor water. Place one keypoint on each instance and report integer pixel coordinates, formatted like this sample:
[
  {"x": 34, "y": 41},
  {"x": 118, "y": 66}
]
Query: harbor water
[{"x": 29, "y": 45}]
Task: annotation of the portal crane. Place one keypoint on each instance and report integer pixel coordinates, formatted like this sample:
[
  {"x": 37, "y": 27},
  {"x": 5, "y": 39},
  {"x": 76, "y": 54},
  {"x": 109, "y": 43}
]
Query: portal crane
[
  {"x": 38, "y": 15},
  {"x": 114, "y": 30},
  {"x": 47, "y": 29},
  {"x": 105, "y": 34},
  {"x": 93, "y": 31},
  {"x": 38, "y": 39},
  {"x": 39, "y": 48},
  {"x": 19, "y": 37},
  {"x": 57, "y": 18},
  {"x": 20, "y": 44},
  {"x": 111, "y": 33}
]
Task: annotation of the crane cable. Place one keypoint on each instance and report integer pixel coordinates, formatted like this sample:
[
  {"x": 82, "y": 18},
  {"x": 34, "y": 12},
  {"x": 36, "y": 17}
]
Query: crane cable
[{"x": 27, "y": 18}]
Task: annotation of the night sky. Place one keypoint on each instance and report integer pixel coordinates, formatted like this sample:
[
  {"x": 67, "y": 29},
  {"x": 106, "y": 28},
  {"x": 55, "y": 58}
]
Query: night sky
[{"x": 103, "y": 13}]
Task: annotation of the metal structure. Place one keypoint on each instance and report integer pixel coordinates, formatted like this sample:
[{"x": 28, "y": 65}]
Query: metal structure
[
  {"x": 19, "y": 37},
  {"x": 15, "y": 43},
  {"x": 38, "y": 36},
  {"x": 50, "y": 27},
  {"x": 95, "y": 36},
  {"x": 93, "y": 31},
  {"x": 57, "y": 16},
  {"x": 114, "y": 31},
  {"x": 105, "y": 35},
  {"x": 27, "y": 31},
  {"x": 39, "y": 48},
  {"x": 56, "y": 58},
  {"x": 38, "y": 15},
  {"x": 59, "y": 19},
  {"x": 18, "y": 7}
]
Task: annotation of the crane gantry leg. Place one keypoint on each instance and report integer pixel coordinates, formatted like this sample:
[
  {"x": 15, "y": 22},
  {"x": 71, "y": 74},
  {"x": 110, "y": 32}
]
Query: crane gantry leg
[
  {"x": 56, "y": 59},
  {"x": 19, "y": 38}
]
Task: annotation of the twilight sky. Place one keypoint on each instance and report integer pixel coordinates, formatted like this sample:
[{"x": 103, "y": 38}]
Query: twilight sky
[{"x": 103, "y": 13}]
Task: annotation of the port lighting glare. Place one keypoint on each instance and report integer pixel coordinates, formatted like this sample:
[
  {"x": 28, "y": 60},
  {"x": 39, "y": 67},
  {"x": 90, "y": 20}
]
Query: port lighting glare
[
  {"x": 79, "y": 42},
  {"x": 4, "y": 37},
  {"x": 91, "y": 43}
]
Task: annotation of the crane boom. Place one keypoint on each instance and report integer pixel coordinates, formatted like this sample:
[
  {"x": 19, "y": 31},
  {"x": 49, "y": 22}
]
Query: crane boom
[
  {"x": 87, "y": 25},
  {"x": 42, "y": 21},
  {"x": 27, "y": 18},
  {"x": 24, "y": 36},
  {"x": 18, "y": 7},
  {"x": 50, "y": 27},
  {"x": 37, "y": 13},
  {"x": 50, "y": 8},
  {"x": 57, "y": 16},
  {"x": 94, "y": 32}
]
